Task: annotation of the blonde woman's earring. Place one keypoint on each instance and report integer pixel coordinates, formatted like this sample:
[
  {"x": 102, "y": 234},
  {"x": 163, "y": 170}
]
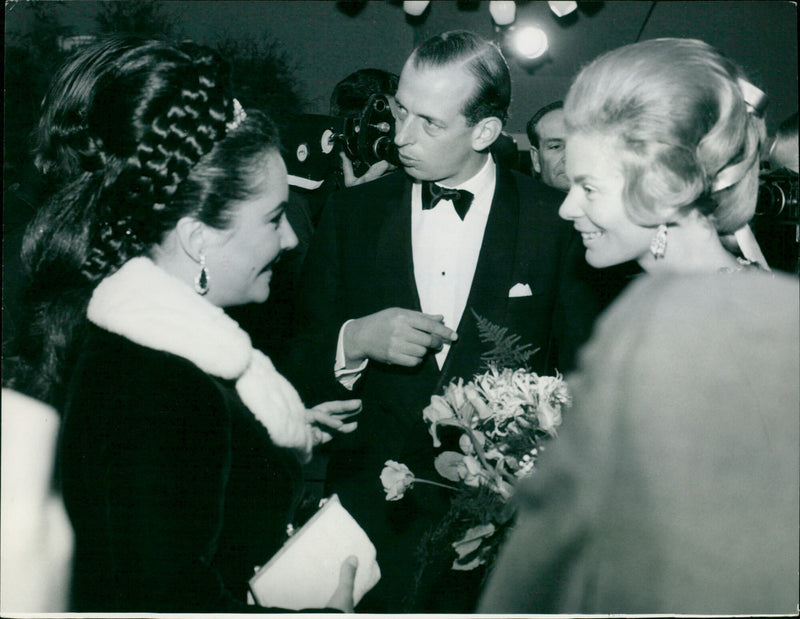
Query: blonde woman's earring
[
  {"x": 658, "y": 246},
  {"x": 201, "y": 281}
]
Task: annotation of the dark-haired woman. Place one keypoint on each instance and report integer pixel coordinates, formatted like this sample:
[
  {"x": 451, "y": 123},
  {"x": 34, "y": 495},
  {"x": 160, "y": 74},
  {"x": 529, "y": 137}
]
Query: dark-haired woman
[{"x": 181, "y": 445}]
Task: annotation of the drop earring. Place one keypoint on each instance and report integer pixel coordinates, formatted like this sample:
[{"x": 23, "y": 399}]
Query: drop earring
[
  {"x": 658, "y": 246},
  {"x": 201, "y": 281}
]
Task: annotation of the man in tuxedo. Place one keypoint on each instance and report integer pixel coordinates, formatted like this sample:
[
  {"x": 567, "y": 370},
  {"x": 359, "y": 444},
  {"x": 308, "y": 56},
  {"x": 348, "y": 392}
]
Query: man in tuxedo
[{"x": 395, "y": 275}]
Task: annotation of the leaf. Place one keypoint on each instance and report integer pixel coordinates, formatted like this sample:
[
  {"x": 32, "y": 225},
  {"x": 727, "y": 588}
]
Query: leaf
[
  {"x": 474, "y": 534},
  {"x": 447, "y": 464},
  {"x": 469, "y": 545},
  {"x": 506, "y": 353},
  {"x": 471, "y": 565}
]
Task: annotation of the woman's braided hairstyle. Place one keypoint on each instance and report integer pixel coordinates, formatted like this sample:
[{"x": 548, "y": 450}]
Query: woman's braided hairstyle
[
  {"x": 151, "y": 116},
  {"x": 152, "y": 121}
]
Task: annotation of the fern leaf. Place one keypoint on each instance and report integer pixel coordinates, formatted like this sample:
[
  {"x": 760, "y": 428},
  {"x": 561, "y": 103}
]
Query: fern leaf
[{"x": 506, "y": 351}]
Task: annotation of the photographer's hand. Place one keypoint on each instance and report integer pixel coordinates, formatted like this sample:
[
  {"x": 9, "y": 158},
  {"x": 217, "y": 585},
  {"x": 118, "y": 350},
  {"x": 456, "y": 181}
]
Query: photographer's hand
[
  {"x": 376, "y": 170},
  {"x": 395, "y": 335}
]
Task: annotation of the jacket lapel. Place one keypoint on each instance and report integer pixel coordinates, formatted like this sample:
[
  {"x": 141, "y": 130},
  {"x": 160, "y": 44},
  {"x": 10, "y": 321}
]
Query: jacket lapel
[{"x": 394, "y": 262}]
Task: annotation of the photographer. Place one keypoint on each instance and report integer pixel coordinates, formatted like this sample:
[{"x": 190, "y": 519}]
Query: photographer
[{"x": 348, "y": 101}]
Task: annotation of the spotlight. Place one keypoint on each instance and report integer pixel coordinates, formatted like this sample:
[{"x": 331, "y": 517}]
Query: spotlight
[
  {"x": 529, "y": 42},
  {"x": 503, "y": 13},
  {"x": 561, "y": 7},
  {"x": 415, "y": 8}
]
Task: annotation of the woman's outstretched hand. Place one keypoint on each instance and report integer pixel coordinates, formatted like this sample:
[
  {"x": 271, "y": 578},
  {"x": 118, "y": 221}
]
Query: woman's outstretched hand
[
  {"x": 342, "y": 598},
  {"x": 332, "y": 416}
]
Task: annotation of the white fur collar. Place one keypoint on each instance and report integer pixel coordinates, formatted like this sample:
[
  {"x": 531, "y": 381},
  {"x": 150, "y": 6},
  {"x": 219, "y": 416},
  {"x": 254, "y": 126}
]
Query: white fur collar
[{"x": 146, "y": 305}]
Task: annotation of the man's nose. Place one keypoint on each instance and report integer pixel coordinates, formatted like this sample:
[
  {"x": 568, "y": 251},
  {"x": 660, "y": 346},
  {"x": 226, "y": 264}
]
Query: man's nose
[{"x": 403, "y": 132}]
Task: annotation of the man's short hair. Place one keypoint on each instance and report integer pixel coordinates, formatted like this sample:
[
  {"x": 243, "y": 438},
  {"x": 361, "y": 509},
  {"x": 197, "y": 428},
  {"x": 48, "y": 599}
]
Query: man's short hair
[
  {"x": 351, "y": 94},
  {"x": 482, "y": 59},
  {"x": 531, "y": 127}
]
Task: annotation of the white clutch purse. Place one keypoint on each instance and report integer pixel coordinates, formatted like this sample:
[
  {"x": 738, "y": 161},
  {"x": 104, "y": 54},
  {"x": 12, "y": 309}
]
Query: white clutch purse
[{"x": 304, "y": 573}]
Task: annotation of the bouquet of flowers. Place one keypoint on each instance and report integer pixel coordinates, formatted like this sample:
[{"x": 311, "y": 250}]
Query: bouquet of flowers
[{"x": 503, "y": 416}]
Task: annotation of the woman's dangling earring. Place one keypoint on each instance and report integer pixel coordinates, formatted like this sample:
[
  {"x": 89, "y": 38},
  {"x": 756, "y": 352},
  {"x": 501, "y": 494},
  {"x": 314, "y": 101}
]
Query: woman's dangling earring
[
  {"x": 201, "y": 281},
  {"x": 658, "y": 246}
]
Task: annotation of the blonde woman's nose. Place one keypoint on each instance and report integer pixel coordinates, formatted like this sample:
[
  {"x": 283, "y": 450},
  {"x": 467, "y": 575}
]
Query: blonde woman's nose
[{"x": 570, "y": 208}]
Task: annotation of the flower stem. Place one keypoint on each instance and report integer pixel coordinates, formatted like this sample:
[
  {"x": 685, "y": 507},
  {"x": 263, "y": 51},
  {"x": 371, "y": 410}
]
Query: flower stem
[{"x": 434, "y": 483}]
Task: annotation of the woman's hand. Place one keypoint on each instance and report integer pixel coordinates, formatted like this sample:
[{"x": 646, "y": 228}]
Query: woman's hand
[
  {"x": 332, "y": 416},
  {"x": 342, "y": 598}
]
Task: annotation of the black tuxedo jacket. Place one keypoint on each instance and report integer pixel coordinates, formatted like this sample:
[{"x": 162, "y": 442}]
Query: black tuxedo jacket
[{"x": 360, "y": 262}]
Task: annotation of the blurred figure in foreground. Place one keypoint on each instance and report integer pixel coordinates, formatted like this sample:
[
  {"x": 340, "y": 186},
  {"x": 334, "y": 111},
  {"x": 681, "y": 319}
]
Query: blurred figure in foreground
[
  {"x": 36, "y": 536},
  {"x": 672, "y": 488}
]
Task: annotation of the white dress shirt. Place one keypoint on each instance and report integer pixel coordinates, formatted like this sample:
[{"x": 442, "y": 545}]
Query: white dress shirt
[
  {"x": 446, "y": 249},
  {"x": 445, "y": 253}
]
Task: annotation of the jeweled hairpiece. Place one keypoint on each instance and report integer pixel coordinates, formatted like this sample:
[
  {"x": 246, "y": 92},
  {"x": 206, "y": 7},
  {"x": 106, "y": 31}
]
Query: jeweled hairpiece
[{"x": 238, "y": 116}]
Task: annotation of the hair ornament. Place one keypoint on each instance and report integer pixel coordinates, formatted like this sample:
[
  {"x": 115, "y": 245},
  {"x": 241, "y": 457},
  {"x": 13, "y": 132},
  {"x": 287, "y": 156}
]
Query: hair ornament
[
  {"x": 727, "y": 177},
  {"x": 238, "y": 116},
  {"x": 755, "y": 98}
]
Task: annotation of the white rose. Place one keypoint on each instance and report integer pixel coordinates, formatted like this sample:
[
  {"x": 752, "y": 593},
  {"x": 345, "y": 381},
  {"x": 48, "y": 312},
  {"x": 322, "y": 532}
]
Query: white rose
[{"x": 396, "y": 479}]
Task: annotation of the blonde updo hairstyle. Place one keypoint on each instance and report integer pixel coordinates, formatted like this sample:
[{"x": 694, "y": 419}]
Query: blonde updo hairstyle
[{"x": 676, "y": 108}]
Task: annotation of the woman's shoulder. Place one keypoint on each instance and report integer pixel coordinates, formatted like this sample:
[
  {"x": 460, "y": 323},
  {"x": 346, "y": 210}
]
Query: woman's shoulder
[{"x": 112, "y": 368}]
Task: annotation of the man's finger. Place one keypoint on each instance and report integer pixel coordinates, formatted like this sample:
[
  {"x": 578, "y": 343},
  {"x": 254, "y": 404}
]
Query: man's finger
[{"x": 433, "y": 325}]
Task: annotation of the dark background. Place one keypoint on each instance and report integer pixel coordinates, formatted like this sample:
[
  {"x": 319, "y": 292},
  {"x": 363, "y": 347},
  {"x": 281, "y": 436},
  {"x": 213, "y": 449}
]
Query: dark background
[{"x": 320, "y": 42}]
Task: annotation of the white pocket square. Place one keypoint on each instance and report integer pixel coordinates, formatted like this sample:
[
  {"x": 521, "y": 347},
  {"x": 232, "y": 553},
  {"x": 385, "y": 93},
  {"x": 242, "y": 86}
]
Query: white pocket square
[{"x": 520, "y": 290}]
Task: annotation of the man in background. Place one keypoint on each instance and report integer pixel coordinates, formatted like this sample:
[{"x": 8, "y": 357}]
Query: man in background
[{"x": 547, "y": 134}]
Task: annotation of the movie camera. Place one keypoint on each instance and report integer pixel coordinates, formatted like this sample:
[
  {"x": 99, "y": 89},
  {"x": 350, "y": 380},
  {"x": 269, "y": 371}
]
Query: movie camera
[
  {"x": 778, "y": 196},
  {"x": 313, "y": 142}
]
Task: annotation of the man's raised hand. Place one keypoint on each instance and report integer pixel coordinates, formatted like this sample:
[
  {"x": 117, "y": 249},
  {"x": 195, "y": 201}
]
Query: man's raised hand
[{"x": 395, "y": 335}]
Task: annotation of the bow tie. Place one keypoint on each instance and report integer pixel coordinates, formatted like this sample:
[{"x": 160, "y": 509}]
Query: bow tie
[{"x": 432, "y": 193}]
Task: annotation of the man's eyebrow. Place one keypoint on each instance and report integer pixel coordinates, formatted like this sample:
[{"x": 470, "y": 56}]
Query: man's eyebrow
[{"x": 422, "y": 116}]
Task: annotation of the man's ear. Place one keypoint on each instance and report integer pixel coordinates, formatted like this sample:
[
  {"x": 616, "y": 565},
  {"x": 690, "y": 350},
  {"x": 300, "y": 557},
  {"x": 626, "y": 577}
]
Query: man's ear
[
  {"x": 537, "y": 165},
  {"x": 485, "y": 132},
  {"x": 192, "y": 237}
]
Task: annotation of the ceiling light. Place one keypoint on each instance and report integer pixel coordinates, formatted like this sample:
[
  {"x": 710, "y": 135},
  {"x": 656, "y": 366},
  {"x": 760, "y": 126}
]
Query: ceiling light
[
  {"x": 530, "y": 42},
  {"x": 503, "y": 13},
  {"x": 415, "y": 7}
]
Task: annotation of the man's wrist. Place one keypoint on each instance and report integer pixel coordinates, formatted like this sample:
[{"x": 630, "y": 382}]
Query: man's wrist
[{"x": 353, "y": 357}]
